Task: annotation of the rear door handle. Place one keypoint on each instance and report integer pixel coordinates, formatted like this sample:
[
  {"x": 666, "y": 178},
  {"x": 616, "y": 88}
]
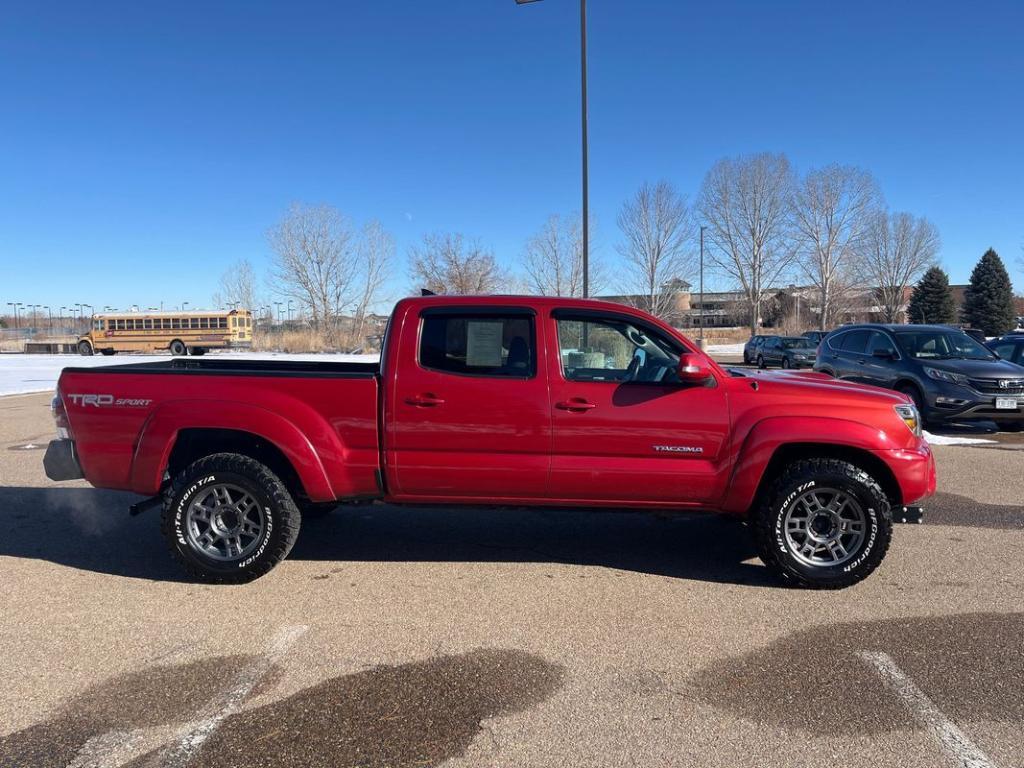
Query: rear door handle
[
  {"x": 576, "y": 404},
  {"x": 424, "y": 401}
]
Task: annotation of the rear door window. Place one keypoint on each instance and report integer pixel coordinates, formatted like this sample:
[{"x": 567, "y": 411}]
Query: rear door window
[
  {"x": 879, "y": 342},
  {"x": 854, "y": 342},
  {"x": 479, "y": 345}
]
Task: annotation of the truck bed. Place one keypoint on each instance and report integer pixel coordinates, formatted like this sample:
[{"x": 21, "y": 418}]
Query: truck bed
[
  {"x": 238, "y": 367},
  {"x": 323, "y": 416}
]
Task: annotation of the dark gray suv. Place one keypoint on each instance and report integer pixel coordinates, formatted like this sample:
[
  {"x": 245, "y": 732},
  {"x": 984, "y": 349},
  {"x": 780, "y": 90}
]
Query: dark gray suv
[{"x": 948, "y": 375}]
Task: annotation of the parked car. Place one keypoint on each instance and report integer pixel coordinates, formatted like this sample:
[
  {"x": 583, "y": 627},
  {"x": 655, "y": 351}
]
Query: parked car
[
  {"x": 947, "y": 374},
  {"x": 751, "y": 347},
  {"x": 517, "y": 401},
  {"x": 815, "y": 336},
  {"x": 787, "y": 351},
  {"x": 1009, "y": 347}
]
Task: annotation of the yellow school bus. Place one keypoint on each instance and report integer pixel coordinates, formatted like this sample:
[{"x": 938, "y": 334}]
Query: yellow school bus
[{"x": 192, "y": 332}]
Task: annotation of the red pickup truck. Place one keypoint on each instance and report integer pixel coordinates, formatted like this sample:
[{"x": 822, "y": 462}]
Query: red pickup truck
[{"x": 498, "y": 400}]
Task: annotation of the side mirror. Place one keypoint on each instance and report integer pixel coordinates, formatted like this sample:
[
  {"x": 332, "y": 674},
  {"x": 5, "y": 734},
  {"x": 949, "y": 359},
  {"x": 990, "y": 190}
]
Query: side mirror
[{"x": 693, "y": 369}]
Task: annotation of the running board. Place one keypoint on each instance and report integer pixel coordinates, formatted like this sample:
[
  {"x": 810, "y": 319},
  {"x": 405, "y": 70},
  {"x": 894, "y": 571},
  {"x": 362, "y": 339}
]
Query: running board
[
  {"x": 908, "y": 515},
  {"x": 141, "y": 506}
]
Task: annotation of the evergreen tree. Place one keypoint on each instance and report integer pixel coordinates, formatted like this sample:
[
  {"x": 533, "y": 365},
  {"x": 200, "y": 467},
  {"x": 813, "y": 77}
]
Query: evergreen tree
[
  {"x": 988, "y": 301},
  {"x": 932, "y": 300}
]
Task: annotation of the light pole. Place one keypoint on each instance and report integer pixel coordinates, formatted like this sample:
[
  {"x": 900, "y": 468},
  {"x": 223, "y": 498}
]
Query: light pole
[
  {"x": 278, "y": 304},
  {"x": 49, "y": 315},
  {"x": 702, "y": 285},
  {"x": 14, "y": 306},
  {"x": 289, "y": 310},
  {"x": 583, "y": 135},
  {"x": 184, "y": 306}
]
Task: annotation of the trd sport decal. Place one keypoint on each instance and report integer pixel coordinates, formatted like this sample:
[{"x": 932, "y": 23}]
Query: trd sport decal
[{"x": 106, "y": 401}]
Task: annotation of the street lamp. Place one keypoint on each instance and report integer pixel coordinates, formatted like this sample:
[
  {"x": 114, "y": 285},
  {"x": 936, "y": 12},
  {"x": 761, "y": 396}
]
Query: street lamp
[
  {"x": 702, "y": 285},
  {"x": 278, "y": 304},
  {"x": 14, "y": 305},
  {"x": 583, "y": 132},
  {"x": 289, "y": 310}
]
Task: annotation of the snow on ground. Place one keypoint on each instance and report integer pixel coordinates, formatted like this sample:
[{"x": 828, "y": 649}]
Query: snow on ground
[
  {"x": 725, "y": 349},
  {"x": 955, "y": 440},
  {"x": 20, "y": 373}
]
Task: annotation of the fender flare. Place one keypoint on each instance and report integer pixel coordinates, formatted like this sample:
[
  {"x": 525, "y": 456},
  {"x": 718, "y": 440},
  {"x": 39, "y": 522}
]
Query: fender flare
[
  {"x": 767, "y": 436},
  {"x": 160, "y": 432}
]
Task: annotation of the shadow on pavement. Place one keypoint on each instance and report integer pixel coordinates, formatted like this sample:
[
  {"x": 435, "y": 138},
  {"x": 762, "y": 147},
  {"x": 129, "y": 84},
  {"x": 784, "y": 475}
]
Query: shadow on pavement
[
  {"x": 416, "y": 714},
  {"x": 971, "y": 666},
  {"x": 953, "y": 509},
  {"x": 91, "y": 530}
]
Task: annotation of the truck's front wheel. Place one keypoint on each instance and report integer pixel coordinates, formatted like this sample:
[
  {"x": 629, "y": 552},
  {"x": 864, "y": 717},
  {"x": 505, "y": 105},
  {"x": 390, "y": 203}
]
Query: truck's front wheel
[
  {"x": 228, "y": 519},
  {"x": 823, "y": 524}
]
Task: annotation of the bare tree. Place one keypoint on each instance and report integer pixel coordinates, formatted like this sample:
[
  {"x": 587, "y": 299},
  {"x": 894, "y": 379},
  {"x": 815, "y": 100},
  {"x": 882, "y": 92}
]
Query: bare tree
[
  {"x": 900, "y": 248},
  {"x": 746, "y": 202},
  {"x": 315, "y": 263},
  {"x": 657, "y": 228},
  {"x": 376, "y": 254},
  {"x": 832, "y": 213},
  {"x": 446, "y": 264},
  {"x": 238, "y": 287},
  {"x": 553, "y": 258}
]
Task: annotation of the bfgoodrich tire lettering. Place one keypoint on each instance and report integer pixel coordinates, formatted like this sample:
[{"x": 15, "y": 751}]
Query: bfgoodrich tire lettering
[
  {"x": 831, "y": 477},
  {"x": 279, "y": 519}
]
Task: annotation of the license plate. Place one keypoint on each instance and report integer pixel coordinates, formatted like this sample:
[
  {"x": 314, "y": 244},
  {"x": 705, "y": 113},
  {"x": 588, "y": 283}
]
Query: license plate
[{"x": 1006, "y": 404}]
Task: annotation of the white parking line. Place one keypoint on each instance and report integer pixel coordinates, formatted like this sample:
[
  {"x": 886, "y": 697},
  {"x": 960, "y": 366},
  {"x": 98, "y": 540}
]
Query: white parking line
[
  {"x": 960, "y": 749},
  {"x": 192, "y": 738}
]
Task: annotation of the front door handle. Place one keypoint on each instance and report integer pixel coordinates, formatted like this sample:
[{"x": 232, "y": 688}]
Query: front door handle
[
  {"x": 426, "y": 400},
  {"x": 575, "y": 404}
]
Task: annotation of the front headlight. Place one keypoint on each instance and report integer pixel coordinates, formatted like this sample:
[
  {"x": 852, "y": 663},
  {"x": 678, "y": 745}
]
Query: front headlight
[
  {"x": 952, "y": 378},
  {"x": 910, "y": 417}
]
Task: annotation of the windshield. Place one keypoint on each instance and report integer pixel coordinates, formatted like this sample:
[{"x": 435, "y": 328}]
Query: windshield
[
  {"x": 942, "y": 345},
  {"x": 798, "y": 343}
]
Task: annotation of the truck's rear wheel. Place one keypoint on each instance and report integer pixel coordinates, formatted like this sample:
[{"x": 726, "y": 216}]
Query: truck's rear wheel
[
  {"x": 178, "y": 348},
  {"x": 823, "y": 524},
  {"x": 228, "y": 519},
  {"x": 85, "y": 348}
]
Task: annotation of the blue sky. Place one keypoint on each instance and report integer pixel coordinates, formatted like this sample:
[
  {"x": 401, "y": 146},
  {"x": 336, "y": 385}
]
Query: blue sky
[{"x": 145, "y": 147}]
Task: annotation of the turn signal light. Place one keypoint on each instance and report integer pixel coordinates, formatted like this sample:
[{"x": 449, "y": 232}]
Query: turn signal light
[{"x": 910, "y": 417}]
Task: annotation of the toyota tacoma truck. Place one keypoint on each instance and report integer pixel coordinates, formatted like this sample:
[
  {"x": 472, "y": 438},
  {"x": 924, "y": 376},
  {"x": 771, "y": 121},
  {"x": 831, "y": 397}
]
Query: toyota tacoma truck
[{"x": 498, "y": 400}]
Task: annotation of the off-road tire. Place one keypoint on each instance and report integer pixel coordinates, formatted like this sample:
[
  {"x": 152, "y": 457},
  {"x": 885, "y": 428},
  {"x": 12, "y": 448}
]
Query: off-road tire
[
  {"x": 85, "y": 349},
  {"x": 281, "y": 515},
  {"x": 178, "y": 348},
  {"x": 769, "y": 514}
]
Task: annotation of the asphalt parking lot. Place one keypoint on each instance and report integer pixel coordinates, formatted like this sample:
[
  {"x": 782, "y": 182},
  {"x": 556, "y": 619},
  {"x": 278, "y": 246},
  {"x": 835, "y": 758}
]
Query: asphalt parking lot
[{"x": 417, "y": 637}]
